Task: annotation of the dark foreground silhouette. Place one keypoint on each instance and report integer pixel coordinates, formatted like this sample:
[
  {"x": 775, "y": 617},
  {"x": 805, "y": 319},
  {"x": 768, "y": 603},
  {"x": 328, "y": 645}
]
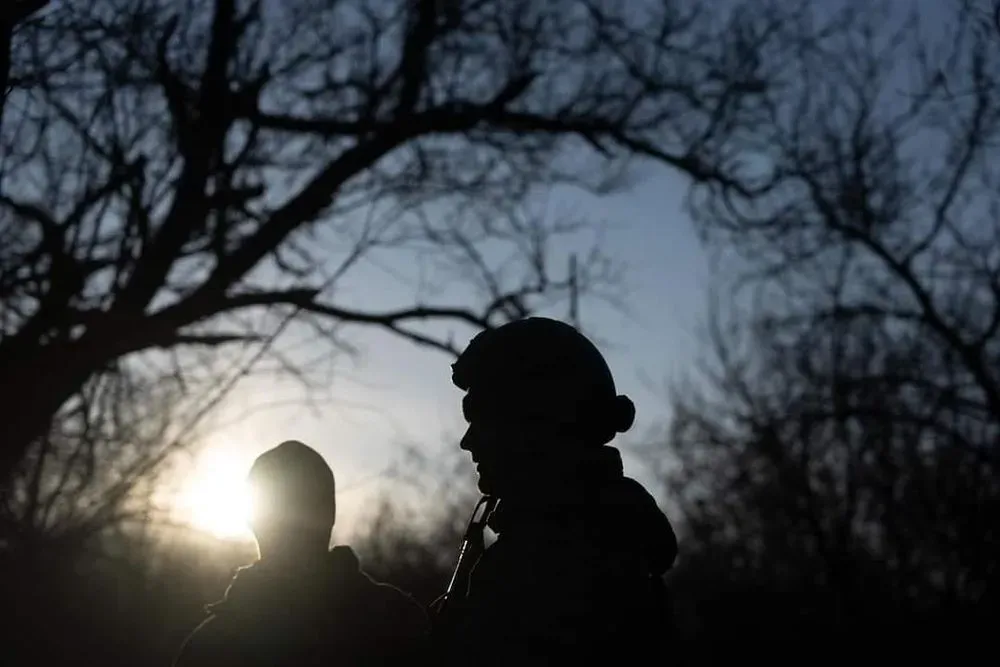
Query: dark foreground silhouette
[
  {"x": 576, "y": 572},
  {"x": 301, "y": 604}
]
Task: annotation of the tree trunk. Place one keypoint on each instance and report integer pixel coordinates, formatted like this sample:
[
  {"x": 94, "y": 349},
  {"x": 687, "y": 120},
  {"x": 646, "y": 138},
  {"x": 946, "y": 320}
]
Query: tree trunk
[{"x": 32, "y": 390}]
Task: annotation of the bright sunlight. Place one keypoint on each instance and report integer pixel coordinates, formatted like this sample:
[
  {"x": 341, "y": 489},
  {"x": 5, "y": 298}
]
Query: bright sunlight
[{"x": 214, "y": 496}]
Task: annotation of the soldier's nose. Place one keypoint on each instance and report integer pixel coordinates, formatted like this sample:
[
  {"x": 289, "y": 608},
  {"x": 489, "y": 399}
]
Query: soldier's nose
[{"x": 466, "y": 442}]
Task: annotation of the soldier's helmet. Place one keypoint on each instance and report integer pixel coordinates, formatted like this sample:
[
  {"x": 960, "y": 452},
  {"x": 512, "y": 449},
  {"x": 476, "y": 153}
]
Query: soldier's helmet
[{"x": 543, "y": 370}]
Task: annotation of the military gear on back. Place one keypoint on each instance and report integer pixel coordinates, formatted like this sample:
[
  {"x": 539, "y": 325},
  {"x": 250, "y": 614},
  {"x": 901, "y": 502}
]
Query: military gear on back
[{"x": 473, "y": 545}]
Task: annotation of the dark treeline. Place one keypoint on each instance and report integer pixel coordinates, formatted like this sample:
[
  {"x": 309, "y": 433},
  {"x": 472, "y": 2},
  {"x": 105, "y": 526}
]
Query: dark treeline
[{"x": 185, "y": 185}]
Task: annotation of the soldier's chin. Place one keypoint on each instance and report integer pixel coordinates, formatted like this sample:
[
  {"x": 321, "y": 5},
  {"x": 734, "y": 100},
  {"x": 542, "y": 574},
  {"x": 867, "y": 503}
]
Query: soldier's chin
[{"x": 485, "y": 484}]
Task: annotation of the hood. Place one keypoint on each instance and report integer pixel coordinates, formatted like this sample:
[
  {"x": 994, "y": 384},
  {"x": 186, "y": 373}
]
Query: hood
[
  {"x": 264, "y": 586},
  {"x": 611, "y": 509},
  {"x": 628, "y": 515}
]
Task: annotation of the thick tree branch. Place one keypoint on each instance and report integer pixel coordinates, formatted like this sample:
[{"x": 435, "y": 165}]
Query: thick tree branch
[
  {"x": 158, "y": 329},
  {"x": 236, "y": 138}
]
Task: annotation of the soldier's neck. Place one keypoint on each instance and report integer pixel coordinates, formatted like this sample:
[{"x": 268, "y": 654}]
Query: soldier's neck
[
  {"x": 558, "y": 489},
  {"x": 555, "y": 479},
  {"x": 293, "y": 555}
]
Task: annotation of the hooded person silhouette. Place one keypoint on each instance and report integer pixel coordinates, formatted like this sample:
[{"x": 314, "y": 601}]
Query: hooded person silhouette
[
  {"x": 302, "y": 603},
  {"x": 576, "y": 572}
]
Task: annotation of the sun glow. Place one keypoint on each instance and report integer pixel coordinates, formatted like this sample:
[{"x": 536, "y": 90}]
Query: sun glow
[{"x": 214, "y": 496}]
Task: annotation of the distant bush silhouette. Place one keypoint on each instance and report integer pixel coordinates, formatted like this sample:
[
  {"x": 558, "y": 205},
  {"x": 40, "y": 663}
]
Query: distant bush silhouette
[{"x": 414, "y": 545}]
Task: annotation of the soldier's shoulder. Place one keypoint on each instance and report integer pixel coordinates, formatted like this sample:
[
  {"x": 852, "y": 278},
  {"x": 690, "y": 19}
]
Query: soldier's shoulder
[
  {"x": 402, "y": 602},
  {"x": 385, "y": 604},
  {"x": 198, "y": 646}
]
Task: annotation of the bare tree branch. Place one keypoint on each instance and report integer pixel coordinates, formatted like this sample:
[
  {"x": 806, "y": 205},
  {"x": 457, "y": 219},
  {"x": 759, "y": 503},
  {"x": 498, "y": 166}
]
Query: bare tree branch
[
  {"x": 183, "y": 177},
  {"x": 847, "y": 430}
]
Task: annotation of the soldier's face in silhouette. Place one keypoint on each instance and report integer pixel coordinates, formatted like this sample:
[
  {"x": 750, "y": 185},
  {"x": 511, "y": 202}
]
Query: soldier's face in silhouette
[
  {"x": 500, "y": 440},
  {"x": 484, "y": 443},
  {"x": 292, "y": 510}
]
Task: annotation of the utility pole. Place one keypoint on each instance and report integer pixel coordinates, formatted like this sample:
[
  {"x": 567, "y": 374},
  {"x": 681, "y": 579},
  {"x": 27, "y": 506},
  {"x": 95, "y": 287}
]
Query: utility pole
[{"x": 574, "y": 293}]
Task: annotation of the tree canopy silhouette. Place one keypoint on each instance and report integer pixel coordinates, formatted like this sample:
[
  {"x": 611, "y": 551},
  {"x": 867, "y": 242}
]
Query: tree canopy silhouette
[
  {"x": 846, "y": 442},
  {"x": 171, "y": 169}
]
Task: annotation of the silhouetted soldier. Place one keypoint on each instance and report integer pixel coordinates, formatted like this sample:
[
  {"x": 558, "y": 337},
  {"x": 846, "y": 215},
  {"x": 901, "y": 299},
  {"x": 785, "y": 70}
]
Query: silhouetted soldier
[
  {"x": 576, "y": 572},
  {"x": 302, "y": 603}
]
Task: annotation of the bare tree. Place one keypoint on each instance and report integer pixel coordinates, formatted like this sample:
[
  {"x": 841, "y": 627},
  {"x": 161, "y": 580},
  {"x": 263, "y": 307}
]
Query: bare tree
[
  {"x": 413, "y": 542},
  {"x": 192, "y": 174},
  {"x": 846, "y": 438},
  {"x": 97, "y": 467},
  {"x": 12, "y": 15}
]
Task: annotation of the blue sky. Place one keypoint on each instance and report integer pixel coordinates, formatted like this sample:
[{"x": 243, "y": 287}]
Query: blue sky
[{"x": 397, "y": 394}]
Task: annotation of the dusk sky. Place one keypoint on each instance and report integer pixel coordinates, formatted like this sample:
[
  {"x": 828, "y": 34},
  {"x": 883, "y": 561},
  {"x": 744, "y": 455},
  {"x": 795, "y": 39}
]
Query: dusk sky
[{"x": 398, "y": 394}]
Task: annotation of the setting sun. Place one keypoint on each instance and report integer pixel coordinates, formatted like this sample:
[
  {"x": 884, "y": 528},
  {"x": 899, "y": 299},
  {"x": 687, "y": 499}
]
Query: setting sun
[{"x": 214, "y": 495}]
